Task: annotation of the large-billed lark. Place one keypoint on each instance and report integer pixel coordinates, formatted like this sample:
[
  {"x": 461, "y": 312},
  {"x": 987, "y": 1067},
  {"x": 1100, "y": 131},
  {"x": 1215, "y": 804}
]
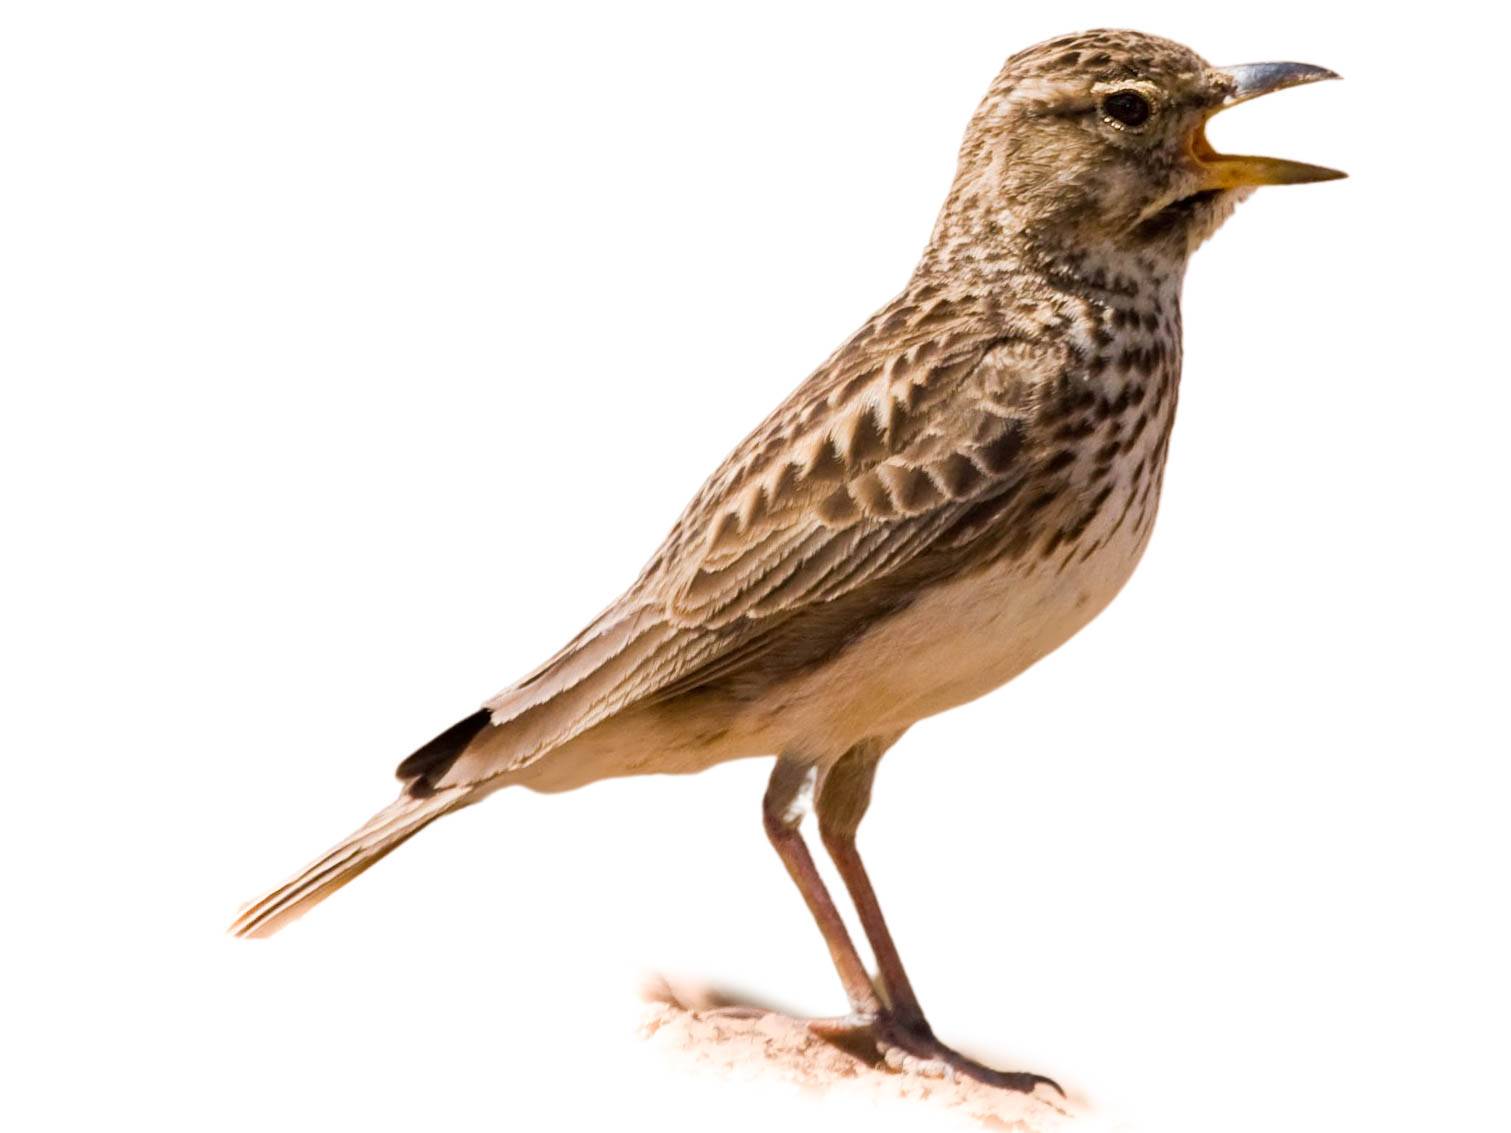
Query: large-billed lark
[{"x": 963, "y": 485}]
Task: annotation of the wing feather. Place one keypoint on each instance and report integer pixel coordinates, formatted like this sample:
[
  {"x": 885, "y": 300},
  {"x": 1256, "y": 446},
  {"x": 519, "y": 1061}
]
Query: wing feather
[{"x": 882, "y": 456}]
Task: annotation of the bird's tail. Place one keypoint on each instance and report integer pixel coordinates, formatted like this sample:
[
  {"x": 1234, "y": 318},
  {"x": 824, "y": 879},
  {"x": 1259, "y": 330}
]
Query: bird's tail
[{"x": 390, "y": 828}]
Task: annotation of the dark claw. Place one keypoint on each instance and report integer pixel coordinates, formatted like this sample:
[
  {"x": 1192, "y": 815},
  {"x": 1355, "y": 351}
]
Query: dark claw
[{"x": 869, "y": 1039}]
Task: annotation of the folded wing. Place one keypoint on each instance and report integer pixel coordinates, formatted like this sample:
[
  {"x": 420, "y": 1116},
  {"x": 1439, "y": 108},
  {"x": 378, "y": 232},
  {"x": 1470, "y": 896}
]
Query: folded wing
[{"x": 864, "y": 478}]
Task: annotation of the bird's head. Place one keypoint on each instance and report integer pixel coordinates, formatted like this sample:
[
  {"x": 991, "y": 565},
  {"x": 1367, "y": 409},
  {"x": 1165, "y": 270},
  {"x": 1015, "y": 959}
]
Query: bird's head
[{"x": 1098, "y": 139}]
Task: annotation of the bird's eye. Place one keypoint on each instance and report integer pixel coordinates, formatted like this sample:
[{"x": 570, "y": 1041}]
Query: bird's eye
[{"x": 1127, "y": 108}]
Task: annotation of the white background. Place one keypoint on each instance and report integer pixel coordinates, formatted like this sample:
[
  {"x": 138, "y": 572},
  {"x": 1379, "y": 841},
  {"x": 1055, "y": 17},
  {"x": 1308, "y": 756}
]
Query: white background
[{"x": 355, "y": 354}]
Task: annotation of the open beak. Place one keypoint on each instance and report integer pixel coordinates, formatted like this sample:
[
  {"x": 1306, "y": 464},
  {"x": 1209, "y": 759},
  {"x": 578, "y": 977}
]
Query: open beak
[{"x": 1231, "y": 171}]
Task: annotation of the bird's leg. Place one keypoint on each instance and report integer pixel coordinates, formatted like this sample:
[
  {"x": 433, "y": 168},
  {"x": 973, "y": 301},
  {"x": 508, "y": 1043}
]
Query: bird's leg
[
  {"x": 840, "y": 800},
  {"x": 902, "y": 1035},
  {"x": 782, "y": 815}
]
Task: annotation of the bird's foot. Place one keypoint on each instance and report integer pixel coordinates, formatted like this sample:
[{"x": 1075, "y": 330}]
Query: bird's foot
[{"x": 909, "y": 1047}]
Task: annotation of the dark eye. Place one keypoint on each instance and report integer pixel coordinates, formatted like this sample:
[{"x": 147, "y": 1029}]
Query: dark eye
[{"x": 1127, "y": 107}]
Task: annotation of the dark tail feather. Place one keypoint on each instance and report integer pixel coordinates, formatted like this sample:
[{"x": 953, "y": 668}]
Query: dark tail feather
[{"x": 424, "y": 769}]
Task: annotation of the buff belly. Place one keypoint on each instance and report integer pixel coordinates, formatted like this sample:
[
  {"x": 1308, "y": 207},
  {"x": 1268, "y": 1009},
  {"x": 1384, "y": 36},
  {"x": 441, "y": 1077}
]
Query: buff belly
[{"x": 958, "y": 641}]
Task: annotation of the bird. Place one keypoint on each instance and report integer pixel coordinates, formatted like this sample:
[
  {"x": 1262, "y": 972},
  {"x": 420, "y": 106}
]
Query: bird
[{"x": 959, "y": 488}]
